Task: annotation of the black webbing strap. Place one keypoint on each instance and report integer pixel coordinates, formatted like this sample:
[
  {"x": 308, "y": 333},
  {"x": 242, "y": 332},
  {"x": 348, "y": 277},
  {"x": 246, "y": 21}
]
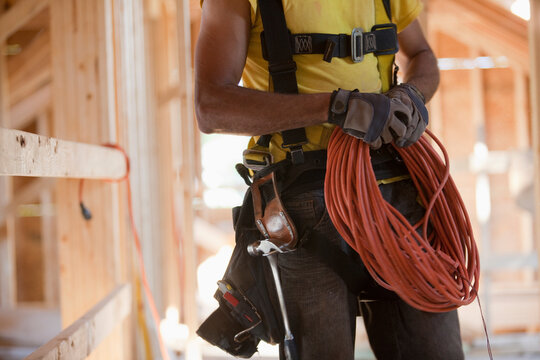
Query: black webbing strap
[
  {"x": 381, "y": 40},
  {"x": 387, "y": 8},
  {"x": 282, "y": 68}
]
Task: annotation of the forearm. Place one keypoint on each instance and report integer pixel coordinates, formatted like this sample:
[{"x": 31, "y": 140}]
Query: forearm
[
  {"x": 237, "y": 110},
  {"x": 422, "y": 71}
]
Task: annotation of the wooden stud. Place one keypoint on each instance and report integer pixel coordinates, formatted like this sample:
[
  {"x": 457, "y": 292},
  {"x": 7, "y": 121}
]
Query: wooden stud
[
  {"x": 80, "y": 339},
  {"x": 18, "y": 15},
  {"x": 26, "y": 154},
  {"x": 534, "y": 75},
  {"x": 51, "y": 284},
  {"x": 523, "y": 130},
  {"x": 187, "y": 171},
  {"x": 159, "y": 28},
  {"x": 8, "y": 275},
  {"x": 92, "y": 255}
]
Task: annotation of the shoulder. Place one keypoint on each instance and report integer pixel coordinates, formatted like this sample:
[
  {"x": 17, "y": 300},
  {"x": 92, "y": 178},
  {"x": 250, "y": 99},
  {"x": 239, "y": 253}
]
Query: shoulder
[
  {"x": 232, "y": 4},
  {"x": 404, "y": 12}
]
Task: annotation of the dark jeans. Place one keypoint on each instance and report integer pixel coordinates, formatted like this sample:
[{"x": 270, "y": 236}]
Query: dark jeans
[{"x": 322, "y": 311}]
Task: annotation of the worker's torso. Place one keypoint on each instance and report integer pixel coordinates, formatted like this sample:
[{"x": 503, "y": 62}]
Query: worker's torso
[{"x": 315, "y": 75}]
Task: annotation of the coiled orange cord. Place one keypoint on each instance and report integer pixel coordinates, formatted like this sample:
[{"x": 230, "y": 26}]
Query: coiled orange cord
[{"x": 436, "y": 272}]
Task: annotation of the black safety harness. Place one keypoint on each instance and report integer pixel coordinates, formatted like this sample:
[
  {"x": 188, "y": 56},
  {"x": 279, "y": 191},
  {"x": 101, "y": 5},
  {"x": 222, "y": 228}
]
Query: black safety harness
[{"x": 381, "y": 40}]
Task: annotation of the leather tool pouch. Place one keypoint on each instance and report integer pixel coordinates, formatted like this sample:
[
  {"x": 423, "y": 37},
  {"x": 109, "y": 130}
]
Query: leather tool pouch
[{"x": 270, "y": 216}]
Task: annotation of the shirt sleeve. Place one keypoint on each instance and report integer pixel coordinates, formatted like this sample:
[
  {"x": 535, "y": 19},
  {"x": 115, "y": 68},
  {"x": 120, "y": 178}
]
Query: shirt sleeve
[{"x": 405, "y": 12}]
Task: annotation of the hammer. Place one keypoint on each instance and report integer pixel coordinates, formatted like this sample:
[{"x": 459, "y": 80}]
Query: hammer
[{"x": 268, "y": 249}]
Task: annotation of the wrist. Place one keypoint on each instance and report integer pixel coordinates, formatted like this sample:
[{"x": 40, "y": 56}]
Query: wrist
[
  {"x": 339, "y": 102},
  {"x": 413, "y": 89}
]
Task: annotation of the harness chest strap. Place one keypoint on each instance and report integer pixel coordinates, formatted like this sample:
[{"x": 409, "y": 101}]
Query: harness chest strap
[{"x": 381, "y": 40}]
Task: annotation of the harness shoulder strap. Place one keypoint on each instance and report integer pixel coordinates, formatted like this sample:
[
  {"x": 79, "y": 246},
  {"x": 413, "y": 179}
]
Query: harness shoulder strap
[
  {"x": 387, "y": 8},
  {"x": 383, "y": 15},
  {"x": 281, "y": 67}
]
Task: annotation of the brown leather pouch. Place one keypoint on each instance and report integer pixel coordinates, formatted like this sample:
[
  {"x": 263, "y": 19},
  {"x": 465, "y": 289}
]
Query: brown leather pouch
[{"x": 270, "y": 216}]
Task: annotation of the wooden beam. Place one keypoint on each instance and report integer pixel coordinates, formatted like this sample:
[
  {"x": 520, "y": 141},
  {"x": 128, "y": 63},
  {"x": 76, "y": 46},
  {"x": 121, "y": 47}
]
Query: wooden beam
[
  {"x": 484, "y": 25},
  {"x": 79, "y": 340},
  {"x": 18, "y": 15},
  {"x": 30, "y": 70},
  {"x": 534, "y": 45},
  {"x": 26, "y": 154},
  {"x": 29, "y": 193},
  {"x": 31, "y": 107}
]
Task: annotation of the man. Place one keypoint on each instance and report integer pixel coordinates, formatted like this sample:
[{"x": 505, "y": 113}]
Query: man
[{"x": 322, "y": 309}]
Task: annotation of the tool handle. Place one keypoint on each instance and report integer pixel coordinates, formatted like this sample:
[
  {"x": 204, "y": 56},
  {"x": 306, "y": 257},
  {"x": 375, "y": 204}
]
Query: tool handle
[{"x": 289, "y": 348}]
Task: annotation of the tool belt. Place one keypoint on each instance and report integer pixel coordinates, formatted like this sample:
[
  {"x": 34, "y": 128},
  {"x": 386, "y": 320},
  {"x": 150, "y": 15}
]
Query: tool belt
[{"x": 248, "y": 309}]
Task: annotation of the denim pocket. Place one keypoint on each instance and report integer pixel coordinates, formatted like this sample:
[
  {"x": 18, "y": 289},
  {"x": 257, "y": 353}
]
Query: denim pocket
[{"x": 305, "y": 209}]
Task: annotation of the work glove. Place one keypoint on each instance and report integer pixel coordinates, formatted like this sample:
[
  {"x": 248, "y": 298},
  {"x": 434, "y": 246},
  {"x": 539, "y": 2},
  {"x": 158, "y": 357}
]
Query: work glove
[{"x": 398, "y": 115}]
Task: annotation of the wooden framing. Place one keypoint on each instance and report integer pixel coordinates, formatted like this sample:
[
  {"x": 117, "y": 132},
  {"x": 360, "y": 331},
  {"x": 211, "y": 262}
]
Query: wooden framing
[
  {"x": 18, "y": 15},
  {"x": 22, "y": 113},
  {"x": 188, "y": 166},
  {"x": 534, "y": 45},
  {"x": 8, "y": 288},
  {"x": 484, "y": 25},
  {"x": 97, "y": 54},
  {"x": 29, "y": 193},
  {"x": 26, "y": 154},
  {"x": 93, "y": 255},
  {"x": 79, "y": 340}
]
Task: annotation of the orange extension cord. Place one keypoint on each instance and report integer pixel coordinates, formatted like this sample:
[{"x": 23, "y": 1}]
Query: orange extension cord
[
  {"x": 433, "y": 273},
  {"x": 146, "y": 286}
]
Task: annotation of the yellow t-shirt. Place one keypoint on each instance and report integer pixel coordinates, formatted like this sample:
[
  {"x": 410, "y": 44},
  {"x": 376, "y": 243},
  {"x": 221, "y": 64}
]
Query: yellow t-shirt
[{"x": 315, "y": 75}]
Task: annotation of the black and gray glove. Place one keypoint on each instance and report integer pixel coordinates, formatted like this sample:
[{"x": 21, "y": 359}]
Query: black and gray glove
[{"x": 398, "y": 115}]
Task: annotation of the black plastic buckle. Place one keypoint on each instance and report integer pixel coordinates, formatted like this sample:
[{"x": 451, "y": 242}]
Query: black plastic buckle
[{"x": 390, "y": 30}]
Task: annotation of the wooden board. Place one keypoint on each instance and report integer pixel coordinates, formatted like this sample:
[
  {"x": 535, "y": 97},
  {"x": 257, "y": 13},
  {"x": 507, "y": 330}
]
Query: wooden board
[
  {"x": 29, "y": 194},
  {"x": 26, "y": 154},
  {"x": 30, "y": 70},
  {"x": 81, "y": 338},
  {"x": 18, "y": 15},
  {"x": 31, "y": 107},
  {"x": 534, "y": 44},
  {"x": 92, "y": 254}
]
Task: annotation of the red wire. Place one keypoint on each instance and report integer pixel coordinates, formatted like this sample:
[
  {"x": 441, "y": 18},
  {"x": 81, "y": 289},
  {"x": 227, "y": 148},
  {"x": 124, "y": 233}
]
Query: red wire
[
  {"x": 142, "y": 268},
  {"x": 435, "y": 273}
]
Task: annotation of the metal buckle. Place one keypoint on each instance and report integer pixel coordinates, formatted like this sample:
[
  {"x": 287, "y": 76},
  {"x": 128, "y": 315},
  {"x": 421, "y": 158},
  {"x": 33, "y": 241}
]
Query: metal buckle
[
  {"x": 265, "y": 156},
  {"x": 357, "y": 33}
]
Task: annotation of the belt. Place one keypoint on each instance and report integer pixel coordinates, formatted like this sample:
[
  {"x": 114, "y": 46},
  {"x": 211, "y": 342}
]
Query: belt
[{"x": 386, "y": 162}]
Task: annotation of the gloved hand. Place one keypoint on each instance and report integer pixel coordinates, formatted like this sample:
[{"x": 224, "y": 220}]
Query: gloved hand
[{"x": 399, "y": 115}]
